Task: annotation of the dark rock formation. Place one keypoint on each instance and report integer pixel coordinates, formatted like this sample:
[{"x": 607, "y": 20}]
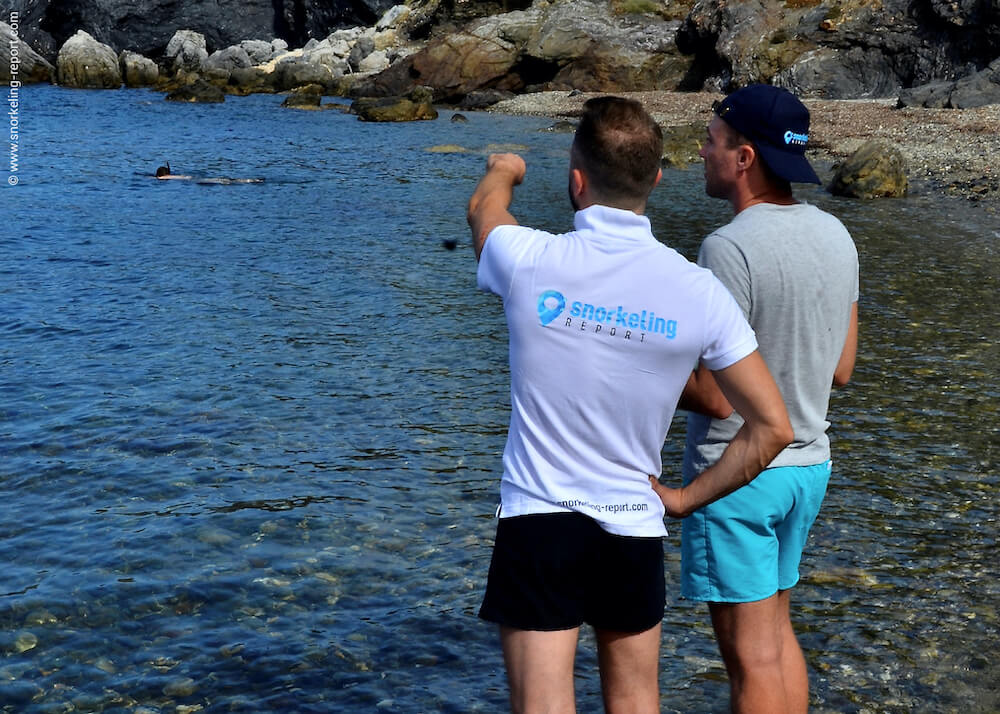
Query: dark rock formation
[
  {"x": 483, "y": 98},
  {"x": 85, "y": 63},
  {"x": 198, "y": 91},
  {"x": 415, "y": 106},
  {"x": 838, "y": 49},
  {"x": 145, "y": 26},
  {"x": 29, "y": 15},
  {"x": 873, "y": 171},
  {"x": 976, "y": 90},
  {"x": 308, "y": 97},
  {"x": 251, "y": 81},
  {"x": 30, "y": 67},
  {"x": 484, "y": 48}
]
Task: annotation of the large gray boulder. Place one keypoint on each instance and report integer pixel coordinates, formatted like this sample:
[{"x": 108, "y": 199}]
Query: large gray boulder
[
  {"x": 28, "y": 66},
  {"x": 85, "y": 63},
  {"x": 259, "y": 51},
  {"x": 233, "y": 57},
  {"x": 186, "y": 51},
  {"x": 300, "y": 69},
  {"x": 138, "y": 71}
]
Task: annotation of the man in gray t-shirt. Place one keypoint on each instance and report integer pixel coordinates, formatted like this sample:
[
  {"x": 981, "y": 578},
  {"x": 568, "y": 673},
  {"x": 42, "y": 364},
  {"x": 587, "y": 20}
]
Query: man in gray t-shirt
[{"x": 794, "y": 271}]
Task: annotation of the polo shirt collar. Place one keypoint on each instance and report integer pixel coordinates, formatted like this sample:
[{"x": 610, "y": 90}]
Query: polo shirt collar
[{"x": 608, "y": 221}]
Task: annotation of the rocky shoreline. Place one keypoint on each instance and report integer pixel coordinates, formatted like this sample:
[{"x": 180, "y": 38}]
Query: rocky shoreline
[
  {"x": 927, "y": 126},
  {"x": 946, "y": 151}
]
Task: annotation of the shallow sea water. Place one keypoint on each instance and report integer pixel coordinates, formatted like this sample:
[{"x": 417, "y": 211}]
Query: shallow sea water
[{"x": 250, "y": 434}]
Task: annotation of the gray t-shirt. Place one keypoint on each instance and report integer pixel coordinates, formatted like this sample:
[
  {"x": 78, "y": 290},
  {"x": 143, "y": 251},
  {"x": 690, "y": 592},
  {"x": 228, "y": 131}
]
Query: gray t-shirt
[{"x": 794, "y": 272}]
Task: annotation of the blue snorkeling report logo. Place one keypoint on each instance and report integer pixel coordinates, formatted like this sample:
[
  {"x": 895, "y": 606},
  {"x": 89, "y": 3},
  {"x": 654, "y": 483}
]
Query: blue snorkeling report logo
[
  {"x": 611, "y": 321},
  {"x": 798, "y": 139},
  {"x": 551, "y": 303}
]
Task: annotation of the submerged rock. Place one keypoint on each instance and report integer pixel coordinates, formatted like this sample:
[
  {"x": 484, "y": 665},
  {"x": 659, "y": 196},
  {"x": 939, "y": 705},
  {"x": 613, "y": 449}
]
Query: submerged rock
[
  {"x": 25, "y": 641},
  {"x": 85, "y": 63},
  {"x": 873, "y": 171},
  {"x": 681, "y": 144}
]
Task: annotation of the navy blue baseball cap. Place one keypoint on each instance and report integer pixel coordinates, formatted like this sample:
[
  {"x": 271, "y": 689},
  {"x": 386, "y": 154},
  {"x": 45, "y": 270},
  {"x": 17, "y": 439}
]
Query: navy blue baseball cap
[{"x": 777, "y": 123}]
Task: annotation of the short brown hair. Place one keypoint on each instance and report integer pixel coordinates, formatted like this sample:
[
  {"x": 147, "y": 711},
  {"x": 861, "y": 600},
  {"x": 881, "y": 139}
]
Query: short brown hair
[{"x": 620, "y": 147}]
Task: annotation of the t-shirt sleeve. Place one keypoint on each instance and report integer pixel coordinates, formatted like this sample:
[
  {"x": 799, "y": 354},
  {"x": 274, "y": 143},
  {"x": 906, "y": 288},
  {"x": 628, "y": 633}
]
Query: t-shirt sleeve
[
  {"x": 505, "y": 247},
  {"x": 729, "y": 265},
  {"x": 728, "y": 336}
]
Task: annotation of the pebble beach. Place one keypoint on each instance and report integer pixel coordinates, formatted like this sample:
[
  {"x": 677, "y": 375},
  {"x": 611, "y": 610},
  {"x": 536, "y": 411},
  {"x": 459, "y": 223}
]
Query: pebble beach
[{"x": 947, "y": 151}]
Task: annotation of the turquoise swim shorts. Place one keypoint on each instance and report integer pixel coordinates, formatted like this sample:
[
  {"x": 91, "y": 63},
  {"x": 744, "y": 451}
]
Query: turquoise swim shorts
[{"x": 747, "y": 546}]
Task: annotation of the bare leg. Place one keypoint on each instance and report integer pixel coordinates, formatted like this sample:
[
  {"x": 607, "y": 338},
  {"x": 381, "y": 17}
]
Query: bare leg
[
  {"x": 540, "y": 670},
  {"x": 793, "y": 663},
  {"x": 751, "y": 640},
  {"x": 630, "y": 670}
]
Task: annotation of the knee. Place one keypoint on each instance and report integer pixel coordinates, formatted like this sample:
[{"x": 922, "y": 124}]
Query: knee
[{"x": 752, "y": 655}]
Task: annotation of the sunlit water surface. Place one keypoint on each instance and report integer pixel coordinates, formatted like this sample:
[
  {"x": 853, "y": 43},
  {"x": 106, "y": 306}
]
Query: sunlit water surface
[{"x": 250, "y": 434}]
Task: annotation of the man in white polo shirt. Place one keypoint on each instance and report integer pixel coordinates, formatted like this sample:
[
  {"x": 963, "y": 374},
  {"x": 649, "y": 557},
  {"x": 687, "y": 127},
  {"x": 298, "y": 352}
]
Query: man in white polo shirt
[{"x": 606, "y": 325}]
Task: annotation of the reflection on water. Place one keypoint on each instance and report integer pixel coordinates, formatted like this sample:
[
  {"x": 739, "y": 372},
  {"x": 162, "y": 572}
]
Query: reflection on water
[{"x": 251, "y": 434}]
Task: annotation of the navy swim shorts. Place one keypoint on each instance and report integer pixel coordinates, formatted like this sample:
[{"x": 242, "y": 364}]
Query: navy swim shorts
[{"x": 557, "y": 571}]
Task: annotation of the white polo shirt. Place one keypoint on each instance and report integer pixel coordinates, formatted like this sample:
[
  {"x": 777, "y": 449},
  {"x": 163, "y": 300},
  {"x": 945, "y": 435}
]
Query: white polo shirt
[{"x": 606, "y": 324}]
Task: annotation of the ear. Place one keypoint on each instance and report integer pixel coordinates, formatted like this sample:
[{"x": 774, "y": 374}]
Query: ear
[
  {"x": 745, "y": 157},
  {"x": 659, "y": 176},
  {"x": 577, "y": 182}
]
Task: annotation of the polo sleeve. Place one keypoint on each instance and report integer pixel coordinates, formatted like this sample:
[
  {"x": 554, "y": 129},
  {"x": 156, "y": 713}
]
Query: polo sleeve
[{"x": 506, "y": 247}]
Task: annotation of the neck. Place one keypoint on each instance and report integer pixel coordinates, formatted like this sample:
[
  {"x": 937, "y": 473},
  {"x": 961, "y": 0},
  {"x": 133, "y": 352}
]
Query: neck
[{"x": 743, "y": 200}]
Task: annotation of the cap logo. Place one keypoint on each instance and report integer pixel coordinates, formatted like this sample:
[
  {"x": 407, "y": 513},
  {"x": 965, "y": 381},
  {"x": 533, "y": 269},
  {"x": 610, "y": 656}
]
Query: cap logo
[{"x": 799, "y": 139}]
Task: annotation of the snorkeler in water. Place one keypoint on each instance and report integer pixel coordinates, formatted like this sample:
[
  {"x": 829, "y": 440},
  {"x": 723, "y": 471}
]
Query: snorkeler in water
[{"x": 164, "y": 173}]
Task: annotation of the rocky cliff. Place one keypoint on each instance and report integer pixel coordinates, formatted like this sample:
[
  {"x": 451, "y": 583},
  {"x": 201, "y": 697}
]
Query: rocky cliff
[
  {"x": 146, "y": 26},
  {"x": 838, "y": 48},
  {"x": 819, "y": 48}
]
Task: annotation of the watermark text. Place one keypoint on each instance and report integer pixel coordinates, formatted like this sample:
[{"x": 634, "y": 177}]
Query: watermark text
[{"x": 14, "y": 97}]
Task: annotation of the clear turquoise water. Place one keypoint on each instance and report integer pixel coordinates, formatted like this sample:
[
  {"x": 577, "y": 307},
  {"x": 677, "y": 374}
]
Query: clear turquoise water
[{"x": 250, "y": 434}]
